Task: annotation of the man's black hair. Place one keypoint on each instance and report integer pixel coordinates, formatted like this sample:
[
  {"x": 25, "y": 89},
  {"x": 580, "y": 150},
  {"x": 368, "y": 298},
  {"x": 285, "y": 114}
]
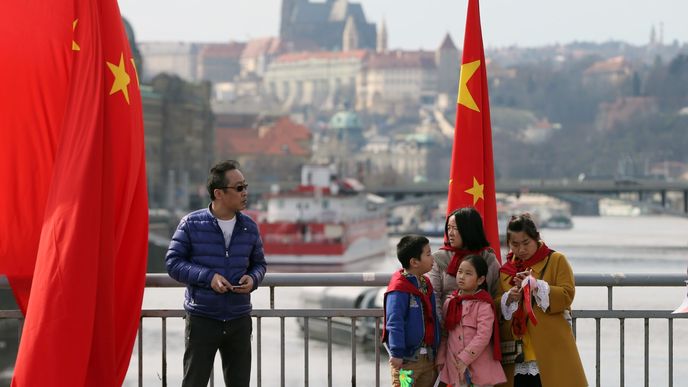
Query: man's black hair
[{"x": 216, "y": 177}]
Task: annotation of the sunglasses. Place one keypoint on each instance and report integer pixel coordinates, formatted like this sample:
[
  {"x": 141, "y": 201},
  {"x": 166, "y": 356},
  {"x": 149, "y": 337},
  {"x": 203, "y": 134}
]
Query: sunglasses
[{"x": 238, "y": 188}]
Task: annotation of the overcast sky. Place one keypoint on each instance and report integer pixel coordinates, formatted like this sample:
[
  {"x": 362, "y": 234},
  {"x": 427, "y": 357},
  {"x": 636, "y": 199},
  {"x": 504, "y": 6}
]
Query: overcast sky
[{"x": 413, "y": 24}]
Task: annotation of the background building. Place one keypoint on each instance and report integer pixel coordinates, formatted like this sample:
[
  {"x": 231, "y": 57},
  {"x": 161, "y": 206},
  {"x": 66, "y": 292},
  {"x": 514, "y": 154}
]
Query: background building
[
  {"x": 324, "y": 24},
  {"x": 174, "y": 58},
  {"x": 397, "y": 82},
  {"x": 219, "y": 62},
  {"x": 178, "y": 126},
  {"x": 320, "y": 80},
  {"x": 272, "y": 150},
  {"x": 448, "y": 61}
]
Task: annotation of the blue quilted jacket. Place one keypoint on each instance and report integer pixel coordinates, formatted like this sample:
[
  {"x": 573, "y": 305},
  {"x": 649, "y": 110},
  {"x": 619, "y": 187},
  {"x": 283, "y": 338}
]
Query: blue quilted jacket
[
  {"x": 197, "y": 251},
  {"x": 405, "y": 323}
]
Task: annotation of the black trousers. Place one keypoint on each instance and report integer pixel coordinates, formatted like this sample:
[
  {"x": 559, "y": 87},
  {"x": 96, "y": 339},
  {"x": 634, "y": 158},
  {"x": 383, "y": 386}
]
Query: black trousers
[
  {"x": 204, "y": 337},
  {"x": 527, "y": 381}
]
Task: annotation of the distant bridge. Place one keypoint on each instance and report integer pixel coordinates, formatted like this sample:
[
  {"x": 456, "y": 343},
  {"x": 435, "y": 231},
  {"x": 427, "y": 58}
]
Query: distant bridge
[
  {"x": 545, "y": 187},
  {"x": 642, "y": 188}
]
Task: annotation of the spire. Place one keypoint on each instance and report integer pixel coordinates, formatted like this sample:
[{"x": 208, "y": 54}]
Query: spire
[
  {"x": 447, "y": 61},
  {"x": 381, "y": 44},
  {"x": 339, "y": 9},
  {"x": 287, "y": 11},
  {"x": 350, "y": 35},
  {"x": 447, "y": 43}
]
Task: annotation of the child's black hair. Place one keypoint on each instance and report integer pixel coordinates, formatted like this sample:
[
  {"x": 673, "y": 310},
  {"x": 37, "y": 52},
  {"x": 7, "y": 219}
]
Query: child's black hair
[
  {"x": 480, "y": 267},
  {"x": 410, "y": 246}
]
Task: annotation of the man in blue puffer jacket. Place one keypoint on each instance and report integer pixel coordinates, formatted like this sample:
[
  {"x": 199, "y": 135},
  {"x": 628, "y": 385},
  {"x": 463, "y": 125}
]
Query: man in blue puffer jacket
[{"x": 218, "y": 253}]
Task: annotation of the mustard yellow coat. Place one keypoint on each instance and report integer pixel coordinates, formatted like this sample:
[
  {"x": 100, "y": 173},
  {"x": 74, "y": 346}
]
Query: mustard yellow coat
[{"x": 553, "y": 341}]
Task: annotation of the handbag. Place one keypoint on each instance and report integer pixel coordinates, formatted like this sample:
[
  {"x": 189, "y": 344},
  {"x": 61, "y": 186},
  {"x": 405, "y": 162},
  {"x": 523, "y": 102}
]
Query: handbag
[{"x": 512, "y": 351}]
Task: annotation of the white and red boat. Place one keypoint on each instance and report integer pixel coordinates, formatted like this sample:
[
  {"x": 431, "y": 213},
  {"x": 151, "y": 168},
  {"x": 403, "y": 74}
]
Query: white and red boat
[{"x": 325, "y": 223}]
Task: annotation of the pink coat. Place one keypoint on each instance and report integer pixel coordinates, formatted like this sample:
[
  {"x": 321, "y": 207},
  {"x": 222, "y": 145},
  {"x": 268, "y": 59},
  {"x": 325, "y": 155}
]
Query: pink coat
[{"x": 470, "y": 342}]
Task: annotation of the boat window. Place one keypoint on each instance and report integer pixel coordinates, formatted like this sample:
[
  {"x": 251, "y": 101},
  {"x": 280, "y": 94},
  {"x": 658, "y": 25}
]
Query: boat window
[{"x": 325, "y": 204}]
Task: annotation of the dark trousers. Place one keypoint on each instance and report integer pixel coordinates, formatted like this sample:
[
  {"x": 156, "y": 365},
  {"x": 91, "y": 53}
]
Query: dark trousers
[
  {"x": 204, "y": 337},
  {"x": 527, "y": 381}
]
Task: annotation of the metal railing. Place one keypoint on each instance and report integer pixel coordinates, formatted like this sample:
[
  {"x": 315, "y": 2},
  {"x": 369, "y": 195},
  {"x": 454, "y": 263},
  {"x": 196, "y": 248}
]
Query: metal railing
[{"x": 278, "y": 280}]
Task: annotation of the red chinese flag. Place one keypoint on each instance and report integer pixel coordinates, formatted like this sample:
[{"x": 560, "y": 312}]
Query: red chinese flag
[
  {"x": 74, "y": 211},
  {"x": 471, "y": 179}
]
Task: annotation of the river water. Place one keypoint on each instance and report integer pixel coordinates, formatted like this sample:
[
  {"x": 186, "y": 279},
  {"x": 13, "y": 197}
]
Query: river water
[{"x": 651, "y": 244}]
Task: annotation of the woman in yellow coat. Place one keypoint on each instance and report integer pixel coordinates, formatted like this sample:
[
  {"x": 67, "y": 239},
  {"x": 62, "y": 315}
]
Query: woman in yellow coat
[{"x": 540, "y": 322}]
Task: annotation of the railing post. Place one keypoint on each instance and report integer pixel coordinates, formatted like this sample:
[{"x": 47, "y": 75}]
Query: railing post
[
  {"x": 306, "y": 334},
  {"x": 377, "y": 352},
  {"x": 282, "y": 359},
  {"x": 647, "y": 352},
  {"x": 164, "y": 351},
  {"x": 353, "y": 352},
  {"x": 671, "y": 352},
  {"x": 622, "y": 350},
  {"x": 597, "y": 352},
  {"x": 140, "y": 351},
  {"x": 329, "y": 352},
  {"x": 259, "y": 368}
]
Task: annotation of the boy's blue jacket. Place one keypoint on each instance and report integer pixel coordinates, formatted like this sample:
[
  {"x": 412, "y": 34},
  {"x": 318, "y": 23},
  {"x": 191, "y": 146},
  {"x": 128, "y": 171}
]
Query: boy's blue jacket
[{"x": 405, "y": 322}]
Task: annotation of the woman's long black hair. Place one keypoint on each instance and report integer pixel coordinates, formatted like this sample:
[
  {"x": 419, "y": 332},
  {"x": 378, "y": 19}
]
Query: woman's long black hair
[{"x": 470, "y": 225}]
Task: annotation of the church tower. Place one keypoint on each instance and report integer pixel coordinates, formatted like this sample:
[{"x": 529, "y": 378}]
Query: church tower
[
  {"x": 448, "y": 63},
  {"x": 350, "y": 35},
  {"x": 381, "y": 44},
  {"x": 288, "y": 7},
  {"x": 653, "y": 36}
]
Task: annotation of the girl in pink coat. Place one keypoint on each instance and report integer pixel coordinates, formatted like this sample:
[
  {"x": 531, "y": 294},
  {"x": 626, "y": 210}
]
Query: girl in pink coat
[{"x": 470, "y": 355}]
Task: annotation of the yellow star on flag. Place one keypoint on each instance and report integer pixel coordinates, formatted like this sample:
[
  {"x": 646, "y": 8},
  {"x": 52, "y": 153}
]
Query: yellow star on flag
[
  {"x": 75, "y": 47},
  {"x": 465, "y": 98},
  {"x": 122, "y": 79},
  {"x": 476, "y": 191}
]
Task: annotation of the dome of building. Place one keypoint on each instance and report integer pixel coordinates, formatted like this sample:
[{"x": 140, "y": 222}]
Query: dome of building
[{"x": 345, "y": 121}]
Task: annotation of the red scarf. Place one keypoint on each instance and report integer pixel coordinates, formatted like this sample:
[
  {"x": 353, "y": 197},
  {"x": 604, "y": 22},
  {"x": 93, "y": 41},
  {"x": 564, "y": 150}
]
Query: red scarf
[
  {"x": 525, "y": 309},
  {"x": 400, "y": 283},
  {"x": 454, "y": 310},
  {"x": 459, "y": 255},
  {"x": 513, "y": 265}
]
